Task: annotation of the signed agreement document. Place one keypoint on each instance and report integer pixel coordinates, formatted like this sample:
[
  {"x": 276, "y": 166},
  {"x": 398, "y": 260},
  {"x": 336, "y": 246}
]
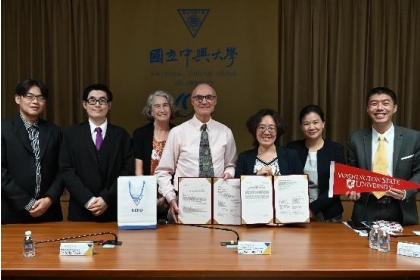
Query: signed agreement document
[
  {"x": 251, "y": 199},
  {"x": 195, "y": 197},
  {"x": 226, "y": 201},
  {"x": 209, "y": 201},
  {"x": 291, "y": 199},
  {"x": 279, "y": 199},
  {"x": 257, "y": 199}
]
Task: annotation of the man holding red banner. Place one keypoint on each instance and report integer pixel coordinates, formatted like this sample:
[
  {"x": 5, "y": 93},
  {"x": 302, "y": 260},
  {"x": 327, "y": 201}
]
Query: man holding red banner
[{"x": 390, "y": 150}]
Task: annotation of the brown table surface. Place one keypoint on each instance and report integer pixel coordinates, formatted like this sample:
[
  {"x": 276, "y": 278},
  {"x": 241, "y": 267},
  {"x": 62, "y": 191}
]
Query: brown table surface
[{"x": 308, "y": 250}]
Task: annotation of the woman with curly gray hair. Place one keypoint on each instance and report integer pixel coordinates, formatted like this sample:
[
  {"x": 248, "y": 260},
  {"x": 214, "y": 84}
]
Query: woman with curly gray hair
[{"x": 149, "y": 140}]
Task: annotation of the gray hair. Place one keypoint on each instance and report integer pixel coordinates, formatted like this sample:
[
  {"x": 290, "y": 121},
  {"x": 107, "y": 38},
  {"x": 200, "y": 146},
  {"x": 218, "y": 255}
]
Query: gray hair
[{"x": 147, "y": 110}]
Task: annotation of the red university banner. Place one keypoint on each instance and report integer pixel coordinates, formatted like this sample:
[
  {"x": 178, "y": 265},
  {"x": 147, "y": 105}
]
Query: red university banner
[{"x": 345, "y": 178}]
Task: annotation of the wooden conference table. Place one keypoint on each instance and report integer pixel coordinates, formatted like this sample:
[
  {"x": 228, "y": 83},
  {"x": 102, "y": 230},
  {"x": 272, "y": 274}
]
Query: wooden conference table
[{"x": 316, "y": 250}]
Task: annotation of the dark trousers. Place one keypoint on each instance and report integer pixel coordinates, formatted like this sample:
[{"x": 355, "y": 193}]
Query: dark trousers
[{"x": 386, "y": 208}]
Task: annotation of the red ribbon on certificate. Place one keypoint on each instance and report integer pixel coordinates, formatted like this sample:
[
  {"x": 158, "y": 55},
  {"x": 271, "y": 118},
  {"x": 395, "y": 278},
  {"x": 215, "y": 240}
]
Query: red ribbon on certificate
[{"x": 345, "y": 178}]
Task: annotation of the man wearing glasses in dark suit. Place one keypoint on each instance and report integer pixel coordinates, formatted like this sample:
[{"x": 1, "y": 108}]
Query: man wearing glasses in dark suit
[
  {"x": 30, "y": 183},
  {"x": 93, "y": 155}
]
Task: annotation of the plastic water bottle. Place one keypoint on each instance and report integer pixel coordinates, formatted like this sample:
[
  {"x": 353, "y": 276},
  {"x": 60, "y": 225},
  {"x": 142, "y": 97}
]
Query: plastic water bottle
[
  {"x": 384, "y": 240},
  {"x": 373, "y": 237},
  {"x": 28, "y": 245}
]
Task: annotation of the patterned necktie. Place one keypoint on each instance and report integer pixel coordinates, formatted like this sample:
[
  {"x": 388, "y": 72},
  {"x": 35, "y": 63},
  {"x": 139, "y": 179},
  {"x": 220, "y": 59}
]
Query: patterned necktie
[
  {"x": 205, "y": 161},
  {"x": 380, "y": 162},
  {"x": 34, "y": 138},
  {"x": 99, "y": 140}
]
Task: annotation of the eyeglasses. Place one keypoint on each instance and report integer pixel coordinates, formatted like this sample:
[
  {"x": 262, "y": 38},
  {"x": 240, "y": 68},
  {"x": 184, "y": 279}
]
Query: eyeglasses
[
  {"x": 31, "y": 97},
  {"x": 263, "y": 128},
  {"x": 102, "y": 101},
  {"x": 200, "y": 98}
]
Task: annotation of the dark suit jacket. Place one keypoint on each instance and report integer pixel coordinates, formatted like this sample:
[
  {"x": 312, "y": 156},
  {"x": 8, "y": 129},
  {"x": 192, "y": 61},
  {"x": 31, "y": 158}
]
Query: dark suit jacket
[
  {"x": 143, "y": 145},
  {"x": 18, "y": 171},
  {"x": 81, "y": 170},
  {"x": 331, "y": 151},
  {"x": 288, "y": 162},
  {"x": 406, "y": 165}
]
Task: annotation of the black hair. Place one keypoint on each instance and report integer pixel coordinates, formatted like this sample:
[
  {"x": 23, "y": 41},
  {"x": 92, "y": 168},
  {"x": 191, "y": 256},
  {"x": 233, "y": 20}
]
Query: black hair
[
  {"x": 255, "y": 120},
  {"x": 381, "y": 90},
  {"x": 311, "y": 109},
  {"x": 24, "y": 86},
  {"x": 101, "y": 87}
]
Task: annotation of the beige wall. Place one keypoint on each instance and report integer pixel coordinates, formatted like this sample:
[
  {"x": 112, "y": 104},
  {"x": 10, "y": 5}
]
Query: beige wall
[{"x": 249, "y": 84}]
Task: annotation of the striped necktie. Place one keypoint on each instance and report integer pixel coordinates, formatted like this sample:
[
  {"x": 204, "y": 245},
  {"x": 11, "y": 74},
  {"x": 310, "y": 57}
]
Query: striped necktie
[{"x": 34, "y": 138}]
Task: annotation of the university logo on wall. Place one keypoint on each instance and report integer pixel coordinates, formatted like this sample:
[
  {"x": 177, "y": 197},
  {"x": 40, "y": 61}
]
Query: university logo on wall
[
  {"x": 193, "y": 19},
  {"x": 182, "y": 102},
  {"x": 192, "y": 63}
]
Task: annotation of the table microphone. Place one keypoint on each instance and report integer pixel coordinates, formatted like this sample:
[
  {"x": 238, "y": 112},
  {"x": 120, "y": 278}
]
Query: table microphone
[{"x": 217, "y": 228}]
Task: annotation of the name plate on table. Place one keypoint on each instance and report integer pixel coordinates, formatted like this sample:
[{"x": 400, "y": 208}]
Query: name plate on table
[
  {"x": 76, "y": 249},
  {"x": 409, "y": 249},
  {"x": 254, "y": 248}
]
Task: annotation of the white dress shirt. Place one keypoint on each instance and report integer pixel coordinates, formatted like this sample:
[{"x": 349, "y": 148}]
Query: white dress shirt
[
  {"x": 181, "y": 153},
  {"x": 94, "y": 126}
]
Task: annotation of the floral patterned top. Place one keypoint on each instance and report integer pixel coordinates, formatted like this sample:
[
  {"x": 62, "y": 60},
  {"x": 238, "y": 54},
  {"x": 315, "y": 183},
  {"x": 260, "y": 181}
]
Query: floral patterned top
[{"x": 156, "y": 154}]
